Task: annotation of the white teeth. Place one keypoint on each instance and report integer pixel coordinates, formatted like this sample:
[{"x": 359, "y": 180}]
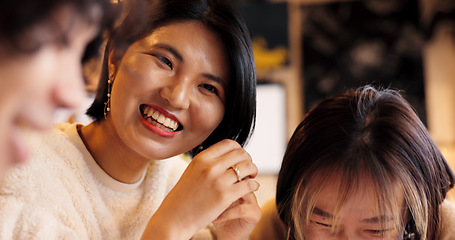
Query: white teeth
[
  {"x": 155, "y": 114},
  {"x": 160, "y": 118},
  {"x": 167, "y": 122},
  {"x": 150, "y": 112}
]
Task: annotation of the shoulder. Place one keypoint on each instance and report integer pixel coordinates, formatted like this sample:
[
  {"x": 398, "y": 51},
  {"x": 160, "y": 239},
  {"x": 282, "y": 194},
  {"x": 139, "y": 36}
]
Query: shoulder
[
  {"x": 28, "y": 196},
  {"x": 51, "y": 142},
  {"x": 30, "y": 177},
  {"x": 447, "y": 214},
  {"x": 51, "y": 168},
  {"x": 270, "y": 226}
]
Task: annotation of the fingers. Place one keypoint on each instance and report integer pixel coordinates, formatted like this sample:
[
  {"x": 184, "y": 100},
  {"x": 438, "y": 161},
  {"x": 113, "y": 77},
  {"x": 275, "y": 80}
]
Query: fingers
[
  {"x": 219, "y": 148},
  {"x": 239, "y": 219},
  {"x": 242, "y": 171},
  {"x": 246, "y": 208},
  {"x": 240, "y": 189},
  {"x": 226, "y": 160},
  {"x": 225, "y": 172},
  {"x": 225, "y": 154},
  {"x": 236, "y": 172},
  {"x": 245, "y": 187},
  {"x": 247, "y": 169},
  {"x": 210, "y": 186}
]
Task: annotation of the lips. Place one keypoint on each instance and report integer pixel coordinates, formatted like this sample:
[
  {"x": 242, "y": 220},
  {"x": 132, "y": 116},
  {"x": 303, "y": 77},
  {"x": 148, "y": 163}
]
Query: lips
[{"x": 158, "y": 119}]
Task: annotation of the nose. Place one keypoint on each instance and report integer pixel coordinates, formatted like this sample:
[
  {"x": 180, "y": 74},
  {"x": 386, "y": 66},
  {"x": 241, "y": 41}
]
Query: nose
[
  {"x": 346, "y": 236},
  {"x": 69, "y": 90},
  {"x": 177, "y": 93}
]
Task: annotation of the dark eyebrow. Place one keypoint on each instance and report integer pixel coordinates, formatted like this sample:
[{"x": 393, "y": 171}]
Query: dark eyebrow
[
  {"x": 379, "y": 219},
  {"x": 174, "y": 52},
  {"x": 215, "y": 78},
  {"x": 169, "y": 48},
  {"x": 322, "y": 213}
]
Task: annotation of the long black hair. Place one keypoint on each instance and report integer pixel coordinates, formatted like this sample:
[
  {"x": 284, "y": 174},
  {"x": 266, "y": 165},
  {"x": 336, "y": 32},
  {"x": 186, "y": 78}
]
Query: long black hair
[{"x": 222, "y": 18}]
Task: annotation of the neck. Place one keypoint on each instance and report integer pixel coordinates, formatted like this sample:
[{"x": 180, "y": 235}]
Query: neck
[{"x": 111, "y": 154}]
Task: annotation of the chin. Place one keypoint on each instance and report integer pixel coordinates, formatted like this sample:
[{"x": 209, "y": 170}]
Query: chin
[{"x": 37, "y": 121}]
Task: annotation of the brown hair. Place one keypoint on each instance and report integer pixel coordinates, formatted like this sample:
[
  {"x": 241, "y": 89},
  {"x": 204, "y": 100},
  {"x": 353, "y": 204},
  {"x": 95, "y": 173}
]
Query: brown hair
[{"x": 366, "y": 132}]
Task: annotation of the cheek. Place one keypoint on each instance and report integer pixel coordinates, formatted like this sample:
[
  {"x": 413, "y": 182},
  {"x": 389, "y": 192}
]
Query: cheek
[
  {"x": 35, "y": 87},
  {"x": 209, "y": 114},
  {"x": 42, "y": 73},
  {"x": 205, "y": 118},
  {"x": 395, "y": 236},
  {"x": 314, "y": 234},
  {"x": 122, "y": 104}
]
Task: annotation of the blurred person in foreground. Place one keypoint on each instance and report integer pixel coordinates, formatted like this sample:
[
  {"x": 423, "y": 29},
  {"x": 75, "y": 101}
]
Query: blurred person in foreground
[{"x": 42, "y": 45}]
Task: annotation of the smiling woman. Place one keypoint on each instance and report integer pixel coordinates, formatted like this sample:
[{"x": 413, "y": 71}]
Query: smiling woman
[
  {"x": 170, "y": 72},
  {"x": 181, "y": 79},
  {"x": 361, "y": 165}
]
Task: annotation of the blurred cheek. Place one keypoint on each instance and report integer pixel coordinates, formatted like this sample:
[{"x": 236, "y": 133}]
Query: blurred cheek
[
  {"x": 35, "y": 89},
  {"x": 4, "y": 161},
  {"x": 40, "y": 75},
  {"x": 52, "y": 80},
  {"x": 12, "y": 148},
  {"x": 4, "y": 153}
]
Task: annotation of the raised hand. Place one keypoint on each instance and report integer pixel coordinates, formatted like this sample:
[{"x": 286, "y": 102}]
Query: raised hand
[
  {"x": 239, "y": 219},
  {"x": 209, "y": 190}
]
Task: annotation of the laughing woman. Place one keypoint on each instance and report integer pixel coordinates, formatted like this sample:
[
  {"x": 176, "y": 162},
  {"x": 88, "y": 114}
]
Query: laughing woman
[
  {"x": 181, "y": 81},
  {"x": 361, "y": 165}
]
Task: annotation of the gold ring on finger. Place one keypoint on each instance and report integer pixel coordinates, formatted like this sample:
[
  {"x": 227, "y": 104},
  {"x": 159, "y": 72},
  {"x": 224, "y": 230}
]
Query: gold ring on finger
[{"x": 237, "y": 173}]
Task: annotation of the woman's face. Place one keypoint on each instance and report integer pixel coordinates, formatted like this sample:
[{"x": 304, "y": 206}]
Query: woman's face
[
  {"x": 359, "y": 218},
  {"x": 168, "y": 93},
  {"x": 33, "y": 86}
]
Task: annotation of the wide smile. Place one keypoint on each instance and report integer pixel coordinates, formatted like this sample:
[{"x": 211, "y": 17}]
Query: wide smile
[{"x": 156, "y": 118}]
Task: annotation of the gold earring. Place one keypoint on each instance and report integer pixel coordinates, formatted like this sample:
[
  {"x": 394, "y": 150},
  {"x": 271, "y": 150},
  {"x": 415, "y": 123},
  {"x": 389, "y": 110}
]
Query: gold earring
[{"x": 107, "y": 104}]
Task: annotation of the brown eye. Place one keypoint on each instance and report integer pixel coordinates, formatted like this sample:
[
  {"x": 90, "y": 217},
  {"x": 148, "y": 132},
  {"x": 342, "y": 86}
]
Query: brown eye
[
  {"x": 164, "y": 60},
  {"x": 210, "y": 88}
]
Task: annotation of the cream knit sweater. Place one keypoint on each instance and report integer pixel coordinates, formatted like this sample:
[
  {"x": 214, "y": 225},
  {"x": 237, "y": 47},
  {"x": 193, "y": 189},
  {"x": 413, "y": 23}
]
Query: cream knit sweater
[{"x": 63, "y": 194}]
